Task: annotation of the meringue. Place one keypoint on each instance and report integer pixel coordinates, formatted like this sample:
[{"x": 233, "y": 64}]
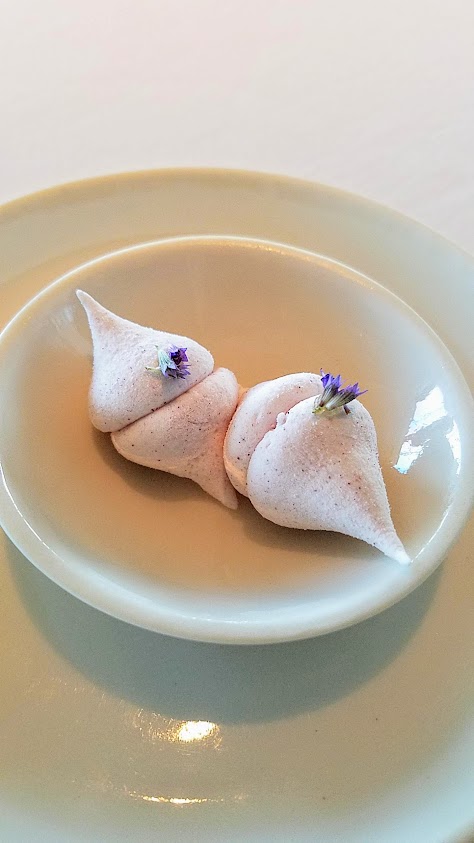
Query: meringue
[
  {"x": 308, "y": 471},
  {"x": 173, "y": 419},
  {"x": 257, "y": 412},
  {"x": 122, "y": 390},
  {"x": 186, "y": 437}
]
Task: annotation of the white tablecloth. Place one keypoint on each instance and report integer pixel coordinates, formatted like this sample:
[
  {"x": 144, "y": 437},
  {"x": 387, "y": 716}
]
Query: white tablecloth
[{"x": 373, "y": 96}]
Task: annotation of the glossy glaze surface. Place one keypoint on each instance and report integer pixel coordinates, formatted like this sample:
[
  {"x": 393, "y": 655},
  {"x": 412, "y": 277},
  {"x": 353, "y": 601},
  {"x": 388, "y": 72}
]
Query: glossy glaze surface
[{"x": 365, "y": 734}]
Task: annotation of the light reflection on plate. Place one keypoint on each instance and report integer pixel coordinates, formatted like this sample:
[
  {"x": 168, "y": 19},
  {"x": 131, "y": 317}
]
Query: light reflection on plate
[{"x": 428, "y": 411}]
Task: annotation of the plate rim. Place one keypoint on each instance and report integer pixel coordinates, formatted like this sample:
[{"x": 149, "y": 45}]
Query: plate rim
[
  {"x": 463, "y": 831},
  {"x": 14, "y": 205},
  {"x": 118, "y": 601}
]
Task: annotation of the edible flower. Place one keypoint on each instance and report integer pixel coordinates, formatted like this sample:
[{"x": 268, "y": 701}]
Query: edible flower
[
  {"x": 334, "y": 395},
  {"x": 172, "y": 362}
]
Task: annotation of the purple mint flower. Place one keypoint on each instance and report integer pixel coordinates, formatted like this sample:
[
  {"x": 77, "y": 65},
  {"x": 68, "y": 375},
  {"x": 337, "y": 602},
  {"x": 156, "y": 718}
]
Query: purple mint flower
[
  {"x": 172, "y": 362},
  {"x": 334, "y": 396}
]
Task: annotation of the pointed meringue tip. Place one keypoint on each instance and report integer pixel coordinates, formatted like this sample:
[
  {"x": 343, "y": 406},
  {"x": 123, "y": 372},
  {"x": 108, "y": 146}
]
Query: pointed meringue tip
[
  {"x": 226, "y": 499},
  {"x": 395, "y": 550},
  {"x": 83, "y": 297},
  {"x": 96, "y": 313},
  {"x": 231, "y": 501},
  {"x": 90, "y": 305},
  {"x": 402, "y": 557}
]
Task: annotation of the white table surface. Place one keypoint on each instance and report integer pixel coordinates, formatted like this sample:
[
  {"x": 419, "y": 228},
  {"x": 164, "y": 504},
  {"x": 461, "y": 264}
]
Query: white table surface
[{"x": 374, "y": 97}]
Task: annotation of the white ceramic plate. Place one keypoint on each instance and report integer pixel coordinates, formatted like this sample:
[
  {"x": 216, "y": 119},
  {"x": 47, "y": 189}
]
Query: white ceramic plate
[
  {"x": 155, "y": 550},
  {"x": 109, "y": 732}
]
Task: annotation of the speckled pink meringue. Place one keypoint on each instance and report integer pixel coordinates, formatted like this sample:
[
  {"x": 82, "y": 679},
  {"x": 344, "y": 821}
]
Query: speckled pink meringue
[
  {"x": 175, "y": 425},
  {"x": 187, "y": 436},
  {"x": 121, "y": 389},
  {"x": 312, "y": 472}
]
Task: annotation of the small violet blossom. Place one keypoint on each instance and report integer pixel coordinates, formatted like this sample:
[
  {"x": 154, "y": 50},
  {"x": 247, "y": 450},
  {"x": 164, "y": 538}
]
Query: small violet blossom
[
  {"x": 172, "y": 362},
  {"x": 334, "y": 395}
]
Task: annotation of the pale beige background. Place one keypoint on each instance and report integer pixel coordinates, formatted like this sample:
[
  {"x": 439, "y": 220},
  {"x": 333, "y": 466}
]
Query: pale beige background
[{"x": 375, "y": 97}]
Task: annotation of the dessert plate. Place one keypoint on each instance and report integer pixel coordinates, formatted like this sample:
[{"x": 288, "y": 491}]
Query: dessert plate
[
  {"x": 155, "y": 550},
  {"x": 109, "y": 732}
]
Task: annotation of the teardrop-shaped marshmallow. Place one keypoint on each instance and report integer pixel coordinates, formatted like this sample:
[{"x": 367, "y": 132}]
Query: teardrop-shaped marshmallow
[
  {"x": 321, "y": 472},
  {"x": 122, "y": 390},
  {"x": 257, "y": 414},
  {"x": 187, "y": 436}
]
